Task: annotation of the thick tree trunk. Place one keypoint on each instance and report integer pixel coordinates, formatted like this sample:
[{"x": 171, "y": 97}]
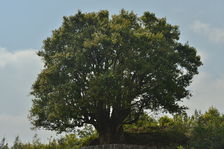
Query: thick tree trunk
[{"x": 111, "y": 134}]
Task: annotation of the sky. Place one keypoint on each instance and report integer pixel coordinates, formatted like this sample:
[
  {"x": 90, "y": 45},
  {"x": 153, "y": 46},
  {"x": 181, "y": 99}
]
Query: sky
[{"x": 24, "y": 24}]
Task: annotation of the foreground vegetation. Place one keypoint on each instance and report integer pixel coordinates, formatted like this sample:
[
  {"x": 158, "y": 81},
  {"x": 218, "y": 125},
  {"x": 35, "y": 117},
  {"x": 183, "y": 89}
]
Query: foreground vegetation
[{"x": 199, "y": 131}]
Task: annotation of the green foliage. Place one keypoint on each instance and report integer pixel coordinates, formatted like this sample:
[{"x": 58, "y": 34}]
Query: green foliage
[
  {"x": 67, "y": 142},
  {"x": 164, "y": 132},
  {"x": 180, "y": 147},
  {"x": 3, "y": 144},
  {"x": 208, "y": 132},
  {"x": 85, "y": 131},
  {"x": 17, "y": 143},
  {"x": 105, "y": 71},
  {"x": 199, "y": 131}
]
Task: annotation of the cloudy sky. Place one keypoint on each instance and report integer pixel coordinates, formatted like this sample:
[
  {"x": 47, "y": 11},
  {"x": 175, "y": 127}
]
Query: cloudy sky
[{"x": 25, "y": 24}]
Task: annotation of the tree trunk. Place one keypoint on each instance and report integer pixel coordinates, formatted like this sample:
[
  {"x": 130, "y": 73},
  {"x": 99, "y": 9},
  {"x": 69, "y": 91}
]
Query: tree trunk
[{"x": 111, "y": 134}]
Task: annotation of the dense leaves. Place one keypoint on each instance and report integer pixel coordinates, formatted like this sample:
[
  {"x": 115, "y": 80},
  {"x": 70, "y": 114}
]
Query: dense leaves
[
  {"x": 106, "y": 70},
  {"x": 208, "y": 132},
  {"x": 199, "y": 131}
]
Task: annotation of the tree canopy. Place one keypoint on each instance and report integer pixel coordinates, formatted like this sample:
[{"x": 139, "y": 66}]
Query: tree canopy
[{"x": 106, "y": 70}]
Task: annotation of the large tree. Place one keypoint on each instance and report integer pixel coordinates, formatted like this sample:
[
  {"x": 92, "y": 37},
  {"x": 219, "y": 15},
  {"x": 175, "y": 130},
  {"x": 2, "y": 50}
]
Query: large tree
[{"x": 106, "y": 70}]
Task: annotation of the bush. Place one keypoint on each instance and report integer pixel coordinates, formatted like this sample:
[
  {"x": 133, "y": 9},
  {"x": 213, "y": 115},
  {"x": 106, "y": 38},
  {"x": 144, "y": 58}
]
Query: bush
[{"x": 200, "y": 131}]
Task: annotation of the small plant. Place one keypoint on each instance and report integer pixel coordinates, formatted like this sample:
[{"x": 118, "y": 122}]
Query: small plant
[{"x": 180, "y": 147}]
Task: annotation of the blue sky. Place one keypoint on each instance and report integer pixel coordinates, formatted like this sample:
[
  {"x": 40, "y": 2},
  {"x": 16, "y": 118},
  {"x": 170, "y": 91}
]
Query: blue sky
[{"x": 25, "y": 24}]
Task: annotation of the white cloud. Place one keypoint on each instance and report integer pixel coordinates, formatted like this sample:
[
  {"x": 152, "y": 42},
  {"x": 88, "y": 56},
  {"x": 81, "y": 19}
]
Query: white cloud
[
  {"x": 12, "y": 126},
  {"x": 23, "y": 56},
  {"x": 18, "y": 71},
  {"x": 207, "y": 91},
  {"x": 214, "y": 34}
]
